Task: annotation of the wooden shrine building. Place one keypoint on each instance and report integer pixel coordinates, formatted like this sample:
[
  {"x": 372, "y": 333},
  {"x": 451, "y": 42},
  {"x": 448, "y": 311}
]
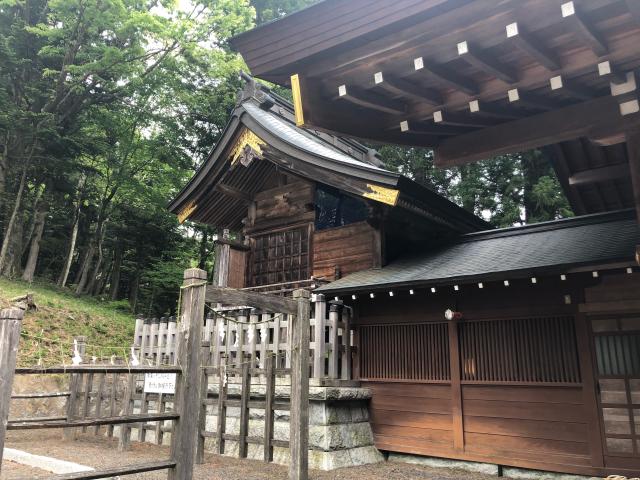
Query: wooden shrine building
[
  {"x": 308, "y": 207},
  {"x": 519, "y": 346}
]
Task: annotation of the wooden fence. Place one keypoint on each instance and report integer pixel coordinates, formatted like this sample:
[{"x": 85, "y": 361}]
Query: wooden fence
[
  {"x": 237, "y": 333},
  {"x": 104, "y": 395},
  {"x": 186, "y": 401}
]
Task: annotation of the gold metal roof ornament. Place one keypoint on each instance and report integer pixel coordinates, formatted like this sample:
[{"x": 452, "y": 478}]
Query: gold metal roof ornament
[
  {"x": 186, "y": 212},
  {"x": 247, "y": 147},
  {"x": 382, "y": 194}
]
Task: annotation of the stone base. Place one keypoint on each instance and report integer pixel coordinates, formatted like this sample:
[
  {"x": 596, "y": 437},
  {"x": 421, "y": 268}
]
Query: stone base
[
  {"x": 339, "y": 431},
  {"x": 486, "y": 468}
]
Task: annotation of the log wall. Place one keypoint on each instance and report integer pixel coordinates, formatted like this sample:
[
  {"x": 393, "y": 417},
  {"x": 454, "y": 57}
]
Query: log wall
[{"x": 350, "y": 249}]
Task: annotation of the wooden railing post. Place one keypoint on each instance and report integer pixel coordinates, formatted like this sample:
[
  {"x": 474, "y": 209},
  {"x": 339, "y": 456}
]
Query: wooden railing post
[
  {"x": 10, "y": 324},
  {"x": 75, "y": 383},
  {"x": 299, "y": 419},
  {"x": 187, "y": 397},
  {"x": 319, "y": 335}
]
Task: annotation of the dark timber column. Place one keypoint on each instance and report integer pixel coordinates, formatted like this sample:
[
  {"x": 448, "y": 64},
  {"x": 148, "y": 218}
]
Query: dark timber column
[
  {"x": 10, "y": 322},
  {"x": 584, "y": 342},
  {"x": 187, "y": 396},
  {"x": 456, "y": 388},
  {"x": 633, "y": 151},
  {"x": 299, "y": 420}
]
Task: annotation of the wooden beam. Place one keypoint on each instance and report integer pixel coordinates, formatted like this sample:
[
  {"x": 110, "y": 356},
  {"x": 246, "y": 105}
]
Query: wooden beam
[
  {"x": 579, "y": 120},
  {"x": 634, "y": 9},
  {"x": 486, "y": 63},
  {"x": 599, "y": 174},
  {"x": 262, "y": 301},
  {"x": 529, "y": 100},
  {"x": 370, "y": 100},
  {"x": 583, "y": 27},
  {"x": 427, "y": 128},
  {"x": 399, "y": 86},
  {"x": 558, "y": 160},
  {"x": 569, "y": 87},
  {"x": 532, "y": 47},
  {"x": 476, "y": 107},
  {"x": 446, "y": 77},
  {"x": 442, "y": 117},
  {"x": 233, "y": 192},
  {"x": 633, "y": 152}
]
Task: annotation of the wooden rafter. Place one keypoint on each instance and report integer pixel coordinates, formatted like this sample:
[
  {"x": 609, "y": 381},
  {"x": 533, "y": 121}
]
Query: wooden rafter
[
  {"x": 532, "y": 47},
  {"x": 582, "y": 26},
  {"x": 633, "y": 152},
  {"x": 486, "y": 63},
  {"x": 427, "y": 128},
  {"x": 634, "y": 9},
  {"x": 595, "y": 117},
  {"x": 370, "y": 100},
  {"x": 570, "y": 88},
  {"x": 531, "y": 100},
  {"x": 462, "y": 120},
  {"x": 599, "y": 174},
  {"x": 399, "y": 86},
  {"x": 447, "y": 77},
  {"x": 559, "y": 162},
  {"x": 233, "y": 192}
]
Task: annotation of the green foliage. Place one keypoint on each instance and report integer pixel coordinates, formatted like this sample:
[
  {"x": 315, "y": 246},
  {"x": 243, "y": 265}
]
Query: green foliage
[{"x": 506, "y": 190}]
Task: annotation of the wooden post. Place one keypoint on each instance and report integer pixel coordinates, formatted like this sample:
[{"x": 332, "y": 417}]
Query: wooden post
[
  {"x": 334, "y": 354},
  {"x": 75, "y": 382},
  {"x": 346, "y": 343},
  {"x": 456, "y": 387},
  {"x": 319, "y": 336},
  {"x": 10, "y": 324},
  {"x": 222, "y": 406},
  {"x": 187, "y": 397},
  {"x": 299, "y": 419},
  {"x": 244, "y": 411},
  {"x": 204, "y": 389},
  {"x": 127, "y": 408},
  {"x": 268, "y": 409}
]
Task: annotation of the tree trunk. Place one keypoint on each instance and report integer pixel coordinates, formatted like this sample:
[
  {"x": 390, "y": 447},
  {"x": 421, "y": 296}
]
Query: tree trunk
[
  {"x": 99, "y": 262},
  {"x": 35, "y": 208},
  {"x": 12, "y": 220},
  {"x": 64, "y": 274},
  {"x": 203, "y": 249},
  {"x": 34, "y": 250},
  {"x": 134, "y": 288},
  {"x": 115, "y": 275}
]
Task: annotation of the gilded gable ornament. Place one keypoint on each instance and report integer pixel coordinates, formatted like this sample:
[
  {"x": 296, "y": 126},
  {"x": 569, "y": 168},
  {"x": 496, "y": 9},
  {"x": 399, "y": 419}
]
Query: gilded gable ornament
[
  {"x": 247, "y": 147},
  {"x": 382, "y": 194}
]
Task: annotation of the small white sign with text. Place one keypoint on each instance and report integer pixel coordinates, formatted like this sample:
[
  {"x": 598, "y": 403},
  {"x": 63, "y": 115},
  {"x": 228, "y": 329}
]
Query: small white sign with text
[{"x": 159, "y": 382}]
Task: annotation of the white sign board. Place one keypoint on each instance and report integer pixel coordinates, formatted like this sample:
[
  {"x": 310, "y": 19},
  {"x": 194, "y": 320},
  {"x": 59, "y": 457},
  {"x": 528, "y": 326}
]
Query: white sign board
[{"x": 159, "y": 382}]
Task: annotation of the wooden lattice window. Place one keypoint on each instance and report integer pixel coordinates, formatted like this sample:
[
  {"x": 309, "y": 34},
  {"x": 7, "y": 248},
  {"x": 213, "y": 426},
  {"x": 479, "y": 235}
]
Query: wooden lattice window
[
  {"x": 405, "y": 352},
  {"x": 520, "y": 350},
  {"x": 281, "y": 257}
]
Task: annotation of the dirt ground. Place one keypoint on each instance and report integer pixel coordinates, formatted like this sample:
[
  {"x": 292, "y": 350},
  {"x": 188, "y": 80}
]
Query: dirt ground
[{"x": 99, "y": 452}]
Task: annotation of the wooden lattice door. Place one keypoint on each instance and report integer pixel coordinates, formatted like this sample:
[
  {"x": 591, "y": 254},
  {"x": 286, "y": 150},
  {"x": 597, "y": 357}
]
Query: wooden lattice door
[{"x": 617, "y": 358}]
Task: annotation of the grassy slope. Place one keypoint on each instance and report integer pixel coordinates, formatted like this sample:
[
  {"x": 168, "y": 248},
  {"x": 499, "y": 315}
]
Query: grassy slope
[{"x": 61, "y": 316}]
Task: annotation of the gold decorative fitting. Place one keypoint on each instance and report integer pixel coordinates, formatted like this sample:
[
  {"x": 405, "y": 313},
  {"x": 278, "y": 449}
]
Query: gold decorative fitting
[
  {"x": 382, "y": 194},
  {"x": 247, "y": 147},
  {"x": 297, "y": 100},
  {"x": 186, "y": 212}
]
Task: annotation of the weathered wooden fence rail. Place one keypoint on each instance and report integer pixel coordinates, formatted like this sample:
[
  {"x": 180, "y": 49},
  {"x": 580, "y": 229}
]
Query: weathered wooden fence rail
[
  {"x": 185, "y": 402},
  {"x": 237, "y": 333}
]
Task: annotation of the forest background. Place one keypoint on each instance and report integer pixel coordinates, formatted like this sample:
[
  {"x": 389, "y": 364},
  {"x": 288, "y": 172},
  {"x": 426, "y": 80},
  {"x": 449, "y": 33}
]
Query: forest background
[{"x": 107, "y": 107}]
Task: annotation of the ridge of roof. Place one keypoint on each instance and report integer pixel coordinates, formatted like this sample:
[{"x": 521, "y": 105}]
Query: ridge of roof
[{"x": 561, "y": 223}]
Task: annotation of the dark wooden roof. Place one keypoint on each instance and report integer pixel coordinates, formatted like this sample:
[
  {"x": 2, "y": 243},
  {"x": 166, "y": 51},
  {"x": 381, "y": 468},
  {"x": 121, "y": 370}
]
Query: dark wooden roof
[
  {"x": 543, "y": 248},
  {"x": 470, "y": 78},
  {"x": 219, "y": 192}
]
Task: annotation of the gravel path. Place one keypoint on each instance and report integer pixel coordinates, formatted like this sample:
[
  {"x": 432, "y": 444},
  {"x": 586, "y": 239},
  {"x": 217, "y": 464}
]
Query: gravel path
[{"x": 101, "y": 452}]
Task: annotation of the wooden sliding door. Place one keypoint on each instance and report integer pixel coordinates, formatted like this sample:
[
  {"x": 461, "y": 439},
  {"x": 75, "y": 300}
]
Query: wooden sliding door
[{"x": 617, "y": 358}]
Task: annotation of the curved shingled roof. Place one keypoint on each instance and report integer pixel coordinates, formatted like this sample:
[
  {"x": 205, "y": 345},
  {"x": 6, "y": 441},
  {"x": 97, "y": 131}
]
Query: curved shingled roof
[{"x": 547, "y": 247}]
